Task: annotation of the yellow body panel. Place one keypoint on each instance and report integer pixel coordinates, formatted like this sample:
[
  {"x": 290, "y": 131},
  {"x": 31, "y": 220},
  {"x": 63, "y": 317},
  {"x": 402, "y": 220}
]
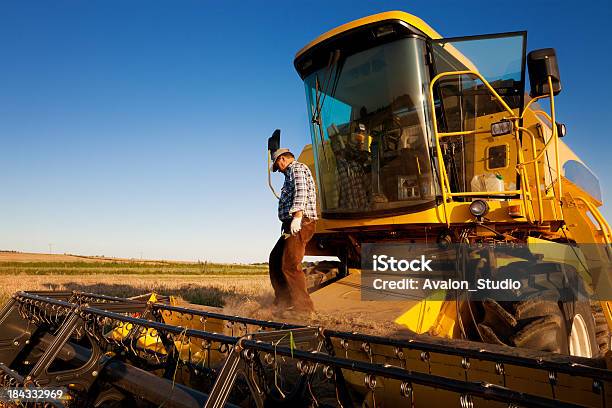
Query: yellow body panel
[
  {"x": 388, "y": 15},
  {"x": 422, "y": 316},
  {"x": 345, "y": 296}
]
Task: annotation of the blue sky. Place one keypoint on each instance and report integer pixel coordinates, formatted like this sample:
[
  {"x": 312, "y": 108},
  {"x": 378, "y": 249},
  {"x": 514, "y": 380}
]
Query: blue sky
[{"x": 134, "y": 128}]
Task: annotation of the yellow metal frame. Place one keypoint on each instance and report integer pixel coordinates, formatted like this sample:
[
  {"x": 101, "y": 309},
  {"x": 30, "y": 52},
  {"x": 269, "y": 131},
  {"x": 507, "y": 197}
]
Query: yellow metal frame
[
  {"x": 524, "y": 191},
  {"x": 603, "y": 224}
]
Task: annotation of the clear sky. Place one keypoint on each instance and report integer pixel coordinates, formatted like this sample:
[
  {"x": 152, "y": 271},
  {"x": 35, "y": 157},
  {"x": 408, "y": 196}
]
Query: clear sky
[{"x": 139, "y": 128}]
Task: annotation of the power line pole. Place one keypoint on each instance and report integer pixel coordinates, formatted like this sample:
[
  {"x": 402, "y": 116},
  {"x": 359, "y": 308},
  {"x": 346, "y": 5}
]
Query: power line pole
[{"x": 50, "y": 248}]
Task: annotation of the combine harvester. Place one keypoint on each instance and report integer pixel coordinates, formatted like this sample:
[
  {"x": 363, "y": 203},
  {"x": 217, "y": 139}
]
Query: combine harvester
[{"x": 416, "y": 140}]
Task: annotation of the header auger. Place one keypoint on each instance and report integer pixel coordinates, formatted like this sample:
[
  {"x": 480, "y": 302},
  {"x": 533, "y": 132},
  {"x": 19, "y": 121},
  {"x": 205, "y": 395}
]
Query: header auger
[{"x": 108, "y": 352}]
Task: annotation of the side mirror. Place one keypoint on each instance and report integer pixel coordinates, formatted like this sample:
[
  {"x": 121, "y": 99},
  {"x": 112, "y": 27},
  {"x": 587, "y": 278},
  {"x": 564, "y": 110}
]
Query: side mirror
[
  {"x": 274, "y": 141},
  {"x": 542, "y": 64}
]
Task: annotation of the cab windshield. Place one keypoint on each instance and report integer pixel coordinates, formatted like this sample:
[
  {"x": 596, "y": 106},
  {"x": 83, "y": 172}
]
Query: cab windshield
[{"x": 370, "y": 129}]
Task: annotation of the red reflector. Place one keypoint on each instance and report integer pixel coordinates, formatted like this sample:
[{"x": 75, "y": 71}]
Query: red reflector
[{"x": 514, "y": 211}]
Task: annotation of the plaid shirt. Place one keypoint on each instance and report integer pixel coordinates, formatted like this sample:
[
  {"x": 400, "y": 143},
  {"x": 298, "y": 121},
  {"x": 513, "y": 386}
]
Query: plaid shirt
[
  {"x": 298, "y": 193},
  {"x": 351, "y": 180}
]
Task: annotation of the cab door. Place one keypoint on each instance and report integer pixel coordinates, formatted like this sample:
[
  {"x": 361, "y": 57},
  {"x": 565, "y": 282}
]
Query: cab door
[{"x": 479, "y": 161}]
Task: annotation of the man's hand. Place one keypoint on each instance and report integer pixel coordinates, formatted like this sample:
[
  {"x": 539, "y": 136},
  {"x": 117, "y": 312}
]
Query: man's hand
[{"x": 296, "y": 224}]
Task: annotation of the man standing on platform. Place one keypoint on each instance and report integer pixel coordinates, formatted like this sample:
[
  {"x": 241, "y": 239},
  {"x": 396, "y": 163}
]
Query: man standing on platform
[{"x": 297, "y": 210}]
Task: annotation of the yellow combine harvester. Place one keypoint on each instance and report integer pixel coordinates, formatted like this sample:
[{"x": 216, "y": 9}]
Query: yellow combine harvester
[
  {"x": 421, "y": 139},
  {"x": 419, "y": 144}
]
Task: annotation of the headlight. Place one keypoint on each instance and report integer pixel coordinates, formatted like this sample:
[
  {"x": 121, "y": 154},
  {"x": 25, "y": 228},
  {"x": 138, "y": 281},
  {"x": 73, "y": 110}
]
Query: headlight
[
  {"x": 479, "y": 208},
  {"x": 505, "y": 127},
  {"x": 561, "y": 129}
]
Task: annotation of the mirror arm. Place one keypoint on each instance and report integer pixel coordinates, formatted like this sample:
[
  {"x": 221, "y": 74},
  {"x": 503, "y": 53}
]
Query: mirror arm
[{"x": 270, "y": 179}]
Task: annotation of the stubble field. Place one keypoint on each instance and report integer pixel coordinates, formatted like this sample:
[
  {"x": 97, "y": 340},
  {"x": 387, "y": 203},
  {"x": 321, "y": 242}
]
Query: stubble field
[
  {"x": 237, "y": 288},
  {"x": 201, "y": 283}
]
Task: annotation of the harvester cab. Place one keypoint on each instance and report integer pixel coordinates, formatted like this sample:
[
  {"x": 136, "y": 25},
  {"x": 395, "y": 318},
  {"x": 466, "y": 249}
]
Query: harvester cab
[{"x": 378, "y": 99}]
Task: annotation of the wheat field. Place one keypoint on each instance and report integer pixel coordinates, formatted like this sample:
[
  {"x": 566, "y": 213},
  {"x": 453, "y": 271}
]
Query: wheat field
[
  {"x": 212, "y": 290},
  {"x": 238, "y": 289},
  {"x": 201, "y": 283}
]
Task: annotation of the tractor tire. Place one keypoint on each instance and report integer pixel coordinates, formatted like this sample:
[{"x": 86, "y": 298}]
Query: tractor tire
[
  {"x": 582, "y": 329},
  {"x": 538, "y": 320},
  {"x": 602, "y": 331},
  {"x": 535, "y": 324},
  {"x": 540, "y": 324}
]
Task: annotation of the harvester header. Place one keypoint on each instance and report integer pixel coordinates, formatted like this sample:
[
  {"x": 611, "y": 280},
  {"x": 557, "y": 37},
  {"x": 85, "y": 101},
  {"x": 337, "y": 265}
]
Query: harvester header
[{"x": 106, "y": 351}]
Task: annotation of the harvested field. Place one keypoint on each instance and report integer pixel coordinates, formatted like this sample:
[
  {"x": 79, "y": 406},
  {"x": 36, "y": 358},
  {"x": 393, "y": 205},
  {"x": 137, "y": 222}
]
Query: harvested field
[
  {"x": 239, "y": 295},
  {"x": 15, "y": 256},
  {"x": 45, "y": 264},
  {"x": 128, "y": 268},
  {"x": 10, "y": 256},
  {"x": 213, "y": 290},
  {"x": 197, "y": 282},
  {"x": 240, "y": 289}
]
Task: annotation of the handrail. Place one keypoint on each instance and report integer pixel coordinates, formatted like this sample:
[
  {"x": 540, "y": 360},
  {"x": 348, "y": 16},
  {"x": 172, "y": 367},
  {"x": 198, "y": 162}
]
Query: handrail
[
  {"x": 444, "y": 183},
  {"x": 463, "y": 133},
  {"x": 546, "y": 115},
  {"x": 485, "y": 193},
  {"x": 525, "y": 190},
  {"x": 555, "y": 136},
  {"x": 539, "y": 156},
  {"x": 535, "y": 169},
  {"x": 537, "y": 98}
]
